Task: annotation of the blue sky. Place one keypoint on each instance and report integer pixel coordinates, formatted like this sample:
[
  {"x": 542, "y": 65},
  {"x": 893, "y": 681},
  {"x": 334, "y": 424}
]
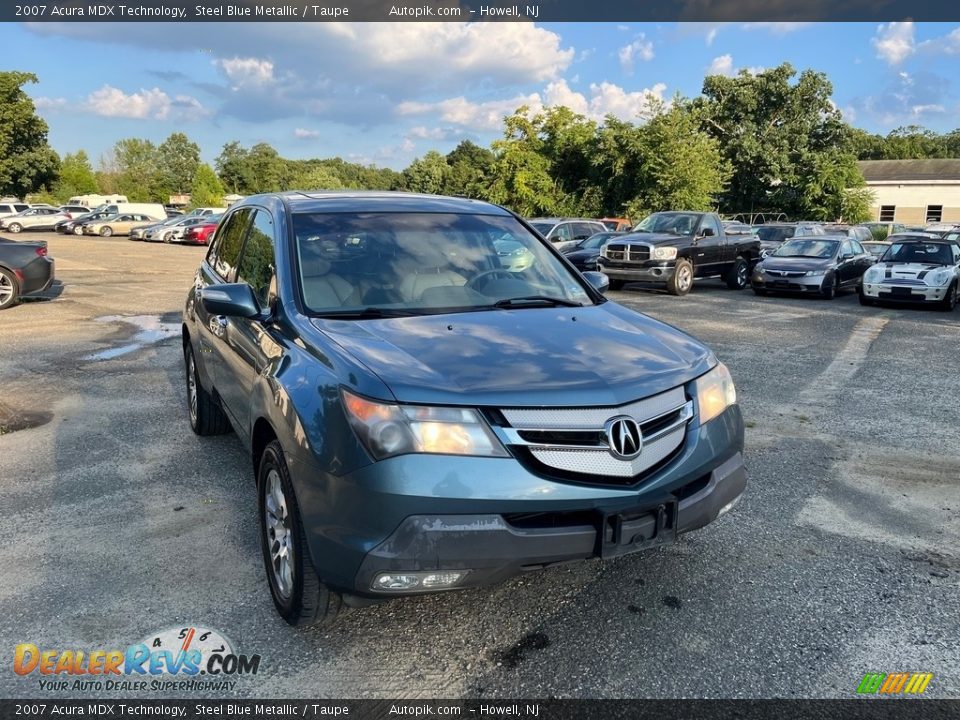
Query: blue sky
[{"x": 387, "y": 93}]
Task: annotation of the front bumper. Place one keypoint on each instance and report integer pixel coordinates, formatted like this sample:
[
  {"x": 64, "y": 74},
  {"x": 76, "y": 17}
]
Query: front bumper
[
  {"x": 653, "y": 272},
  {"x": 802, "y": 284},
  {"x": 905, "y": 293},
  {"x": 494, "y": 516}
]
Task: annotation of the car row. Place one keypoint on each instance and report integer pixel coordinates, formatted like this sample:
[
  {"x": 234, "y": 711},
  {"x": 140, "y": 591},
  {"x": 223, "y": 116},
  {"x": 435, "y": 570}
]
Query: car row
[
  {"x": 38, "y": 217},
  {"x": 195, "y": 228}
]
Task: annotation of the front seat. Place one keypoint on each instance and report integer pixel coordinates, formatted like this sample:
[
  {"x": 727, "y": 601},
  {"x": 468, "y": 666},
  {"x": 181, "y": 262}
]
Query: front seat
[
  {"x": 324, "y": 289},
  {"x": 413, "y": 286}
]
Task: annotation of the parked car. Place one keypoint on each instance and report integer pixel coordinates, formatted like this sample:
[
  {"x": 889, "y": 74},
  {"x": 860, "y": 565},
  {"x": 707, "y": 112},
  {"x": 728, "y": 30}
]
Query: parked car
[
  {"x": 915, "y": 268},
  {"x": 860, "y": 233},
  {"x": 12, "y": 208},
  {"x": 34, "y": 218},
  {"x": 200, "y": 234},
  {"x": 821, "y": 265},
  {"x": 564, "y": 232},
  {"x": 421, "y": 419},
  {"x": 205, "y": 211},
  {"x": 673, "y": 248},
  {"x": 117, "y": 224},
  {"x": 74, "y": 226},
  {"x": 178, "y": 231},
  {"x": 143, "y": 231},
  {"x": 585, "y": 254},
  {"x": 773, "y": 235},
  {"x": 25, "y": 269},
  {"x": 617, "y": 224}
]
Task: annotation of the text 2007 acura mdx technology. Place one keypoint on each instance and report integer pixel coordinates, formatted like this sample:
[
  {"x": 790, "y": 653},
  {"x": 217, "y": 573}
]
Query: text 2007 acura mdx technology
[{"x": 422, "y": 418}]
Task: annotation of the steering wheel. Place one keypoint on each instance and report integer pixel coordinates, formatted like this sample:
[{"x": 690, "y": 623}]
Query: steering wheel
[{"x": 472, "y": 282}]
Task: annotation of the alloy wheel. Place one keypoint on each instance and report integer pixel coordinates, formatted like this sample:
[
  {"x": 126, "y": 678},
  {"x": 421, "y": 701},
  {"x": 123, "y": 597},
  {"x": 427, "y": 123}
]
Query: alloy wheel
[
  {"x": 279, "y": 534},
  {"x": 6, "y": 289},
  {"x": 684, "y": 279},
  {"x": 192, "y": 397}
]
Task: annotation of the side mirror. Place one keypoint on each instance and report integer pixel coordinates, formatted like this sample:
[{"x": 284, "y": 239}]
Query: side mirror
[
  {"x": 848, "y": 256},
  {"x": 231, "y": 300},
  {"x": 598, "y": 280},
  {"x": 707, "y": 232}
]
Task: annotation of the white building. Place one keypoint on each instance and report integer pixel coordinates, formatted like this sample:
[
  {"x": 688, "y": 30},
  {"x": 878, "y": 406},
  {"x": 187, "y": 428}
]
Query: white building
[{"x": 914, "y": 192}]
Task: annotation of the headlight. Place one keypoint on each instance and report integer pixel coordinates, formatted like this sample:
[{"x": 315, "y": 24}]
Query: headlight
[
  {"x": 940, "y": 277},
  {"x": 872, "y": 275},
  {"x": 663, "y": 253},
  {"x": 715, "y": 393},
  {"x": 387, "y": 430},
  {"x": 815, "y": 273}
]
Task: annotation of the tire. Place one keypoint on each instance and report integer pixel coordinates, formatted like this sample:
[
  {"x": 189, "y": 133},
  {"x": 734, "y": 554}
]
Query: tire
[
  {"x": 949, "y": 301},
  {"x": 166, "y": 238},
  {"x": 298, "y": 594},
  {"x": 78, "y": 230},
  {"x": 864, "y": 300},
  {"x": 738, "y": 275},
  {"x": 206, "y": 415},
  {"x": 616, "y": 284},
  {"x": 106, "y": 231},
  {"x": 9, "y": 289},
  {"x": 829, "y": 290},
  {"x": 14, "y": 227},
  {"x": 681, "y": 282},
  {"x": 762, "y": 292}
]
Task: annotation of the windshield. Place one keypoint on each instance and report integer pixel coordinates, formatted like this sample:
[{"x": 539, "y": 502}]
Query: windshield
[
  {"x": 914, "y": 252},
  {"x": 413, "y": 263},
  {"x": 543, "y": 228},
  {"x": 807, "y": 248},
  {"x": 597, "y": 241},
  {"x": 669, "y": 222},
  {"x": 875, "y": 248},
  {"x": 775, "y": 234}
]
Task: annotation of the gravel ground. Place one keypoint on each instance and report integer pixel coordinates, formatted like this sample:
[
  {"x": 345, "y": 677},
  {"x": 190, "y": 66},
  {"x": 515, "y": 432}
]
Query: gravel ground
[{"x": 843, "y": 558}]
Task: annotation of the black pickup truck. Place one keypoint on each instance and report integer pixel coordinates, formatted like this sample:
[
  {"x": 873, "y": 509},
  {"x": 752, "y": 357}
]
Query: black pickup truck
[{"x": 673, "y": 248}]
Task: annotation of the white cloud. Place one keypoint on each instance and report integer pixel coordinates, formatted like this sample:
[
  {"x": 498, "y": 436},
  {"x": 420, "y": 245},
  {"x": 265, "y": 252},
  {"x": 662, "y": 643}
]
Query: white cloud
[
  {"x": 721, "y": 65},
  {"x": 45, "y": 104},
  {"x": 609, "y": 99},
  {"x": 623, "y": 28},
  {"x": 244, "y": 72},
  {"x": 918, "y": 110},
  {"x": 949, "y": 44},
  {"x": 304, "y": 134},
  {"x": 639, "y": 49},
  {"x": 776, "y": 28},
  {"x": 894, "y": 42},
  {"x": 475, "y": 115},
  {"x": 109, "y": 101}
]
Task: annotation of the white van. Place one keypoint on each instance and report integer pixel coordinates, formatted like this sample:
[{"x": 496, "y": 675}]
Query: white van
[
  {"x": 204, "y": 211},
  {"x": 92, "y": 201},
  {"x": 152, "y": 210}
]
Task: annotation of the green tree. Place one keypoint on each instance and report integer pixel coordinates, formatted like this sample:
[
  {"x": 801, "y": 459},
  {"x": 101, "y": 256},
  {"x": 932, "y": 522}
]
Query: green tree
[
  {"x": 27, "y": 162},
  {"x": 76, "y": 177},
  {"x": 428, "y": 174},
  {"x": 233, "y": 167},
  {"x": 178, "y": 159},
  {"x": 136, "y": 167},
  {"x": 266, "y": 169},
  {"x": 470, "y": 167},
  {"x": 207, "y": 190},
  {"x": 832, "y": 188},
  {"x": 569, "y": 144},
  {"x": 316, "y": 177}
]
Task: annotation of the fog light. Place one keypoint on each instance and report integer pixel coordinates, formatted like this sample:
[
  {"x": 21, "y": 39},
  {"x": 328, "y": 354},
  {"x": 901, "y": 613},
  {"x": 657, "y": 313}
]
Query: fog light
[
  {"x": 730, "y": 505},
  {"x": 400, "y": 582}
]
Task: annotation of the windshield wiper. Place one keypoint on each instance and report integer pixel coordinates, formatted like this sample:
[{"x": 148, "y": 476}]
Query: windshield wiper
[
  {"x": 530, "y": 300},
  {"x": 365, "y": 313}
]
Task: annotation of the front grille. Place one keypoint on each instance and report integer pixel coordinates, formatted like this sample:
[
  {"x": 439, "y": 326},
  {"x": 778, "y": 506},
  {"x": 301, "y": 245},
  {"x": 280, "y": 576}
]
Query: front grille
[
  {"x": 627, "y": 253},
  {"x": 571, "y": 443},
  {"x": 785, "y": 273}
]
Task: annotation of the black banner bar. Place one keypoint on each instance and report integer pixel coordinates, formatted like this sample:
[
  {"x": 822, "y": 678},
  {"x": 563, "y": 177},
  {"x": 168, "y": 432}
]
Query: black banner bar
[
  {"x": 475, "y": 10},
  {"x": 856, "y": 709}
]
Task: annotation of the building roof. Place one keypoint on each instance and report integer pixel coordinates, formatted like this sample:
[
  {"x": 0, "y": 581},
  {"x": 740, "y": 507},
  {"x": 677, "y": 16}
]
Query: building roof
[{"x": 906, "y": 170}]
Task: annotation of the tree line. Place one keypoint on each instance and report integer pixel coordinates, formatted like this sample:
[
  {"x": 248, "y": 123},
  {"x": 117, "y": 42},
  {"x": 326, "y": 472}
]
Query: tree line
[{"x": 771, "y": 141}]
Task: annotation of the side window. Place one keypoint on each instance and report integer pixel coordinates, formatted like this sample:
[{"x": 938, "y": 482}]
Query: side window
[
  {"x": 709, "y": 221},
  {"x": 228, "y": 242},
  {"x": 956, "y": 253},
  {"x": 581, "y": 231},
  {"x": 256, "y": 264},
  {"x": 561, "y": 233},
  {"x": 846, "y": 248},
  {"x": 857, "y": 247}
]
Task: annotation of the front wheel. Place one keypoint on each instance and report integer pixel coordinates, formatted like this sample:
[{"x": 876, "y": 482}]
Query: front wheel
[
  {"x": 78, "y": 230},
  {"x": 106, "y": 231},
  {"x": 298, "y": 594},
  {"x": 864, "y": 300},
  {"x": 737, "y": 275},
  {"x": 681, "y": 282},
  {"x": 831, "y": 285},
  {"x": 14, "y": 227},
  {"x": 9, "y": 289},
  {"x": 949, "y": 301}
]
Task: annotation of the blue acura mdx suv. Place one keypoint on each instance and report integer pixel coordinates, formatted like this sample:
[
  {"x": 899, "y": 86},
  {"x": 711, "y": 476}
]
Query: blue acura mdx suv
[{"x": 425, "y": 413}]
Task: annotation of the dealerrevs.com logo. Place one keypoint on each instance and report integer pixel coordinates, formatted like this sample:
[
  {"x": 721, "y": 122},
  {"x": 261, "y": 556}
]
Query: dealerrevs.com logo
[{"x": 190, "y": 658}]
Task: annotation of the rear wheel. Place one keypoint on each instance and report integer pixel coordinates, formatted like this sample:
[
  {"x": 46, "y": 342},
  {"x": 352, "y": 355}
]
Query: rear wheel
[
  {"x": 9, "y": 289},
  {"x": 206, "y": 415},
  {"x": 106, "y": 231},
  {"x": 736, "y": 278},
  {"x": 681, "y": 282},
  {"x": 78, "y": 230},
  {"x": 14, "y": 227},
  {"x": 298, "y": 594}
]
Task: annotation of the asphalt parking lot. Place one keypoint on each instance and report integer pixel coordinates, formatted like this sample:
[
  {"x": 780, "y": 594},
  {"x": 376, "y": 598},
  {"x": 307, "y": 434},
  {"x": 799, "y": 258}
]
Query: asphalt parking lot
[{"x": 842, "y": 559}]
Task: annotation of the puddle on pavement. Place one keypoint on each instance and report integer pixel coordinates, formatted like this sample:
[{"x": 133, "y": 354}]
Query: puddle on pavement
[
  {"x": 12, "y": 420},
  {"x": 150, "y": 330}
]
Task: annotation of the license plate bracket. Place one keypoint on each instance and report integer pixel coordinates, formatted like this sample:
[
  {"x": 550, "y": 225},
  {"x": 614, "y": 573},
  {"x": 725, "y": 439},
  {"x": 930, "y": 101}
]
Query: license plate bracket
[{"x": 628, "y": 530}]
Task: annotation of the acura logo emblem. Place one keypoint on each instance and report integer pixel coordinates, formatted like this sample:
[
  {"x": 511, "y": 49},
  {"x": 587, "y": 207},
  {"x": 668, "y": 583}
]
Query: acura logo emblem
[{"x": 624, "y": 437}]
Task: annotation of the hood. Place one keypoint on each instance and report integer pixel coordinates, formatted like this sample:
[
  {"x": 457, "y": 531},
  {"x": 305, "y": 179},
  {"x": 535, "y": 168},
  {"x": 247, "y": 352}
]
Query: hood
[
  {"x": 653, "y": 238},
  {"x": 796, "y": 264},
  {"x": 593, "y": 356},
  {"x": 892, "y": 272},
  {"x": 582, "y": 254}
]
